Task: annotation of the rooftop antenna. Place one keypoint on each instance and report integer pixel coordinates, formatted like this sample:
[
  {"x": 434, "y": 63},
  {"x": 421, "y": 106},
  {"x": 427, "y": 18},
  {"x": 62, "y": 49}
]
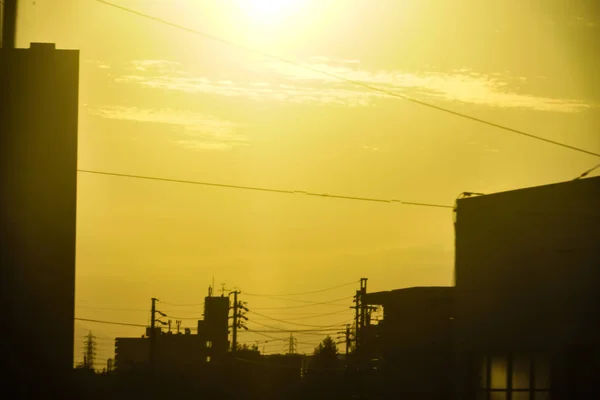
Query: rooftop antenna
[
  {"x": 222, "y": 289},
  {"x": 213, "y": 283}
]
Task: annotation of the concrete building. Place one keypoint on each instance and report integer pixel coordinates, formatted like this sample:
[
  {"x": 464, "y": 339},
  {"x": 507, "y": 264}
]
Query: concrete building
[
  {"x": 38, "y": 182},
  {"x": 215, "y": 325},
  {"x": 180, "y": 352},
  {"x": 412, "y": 346},
  {"x": 527, "y": 290},
  {"x": 175, "y": 353}
]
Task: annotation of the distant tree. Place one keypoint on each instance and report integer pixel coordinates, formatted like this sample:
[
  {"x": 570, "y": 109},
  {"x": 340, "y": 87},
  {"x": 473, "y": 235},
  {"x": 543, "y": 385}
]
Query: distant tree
[
  {"x": 327, "y": 349},
  {"x": 323, "y": 378}
]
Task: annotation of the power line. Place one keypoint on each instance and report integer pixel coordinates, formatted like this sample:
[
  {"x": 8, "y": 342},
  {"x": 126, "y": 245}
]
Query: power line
[
  {"x": 118, "y": 323},
  {"x": 282, "y": 330},
  {"x": 586, "y": 173},
  {"x": 318, "y": 315},
  {"x": 302, "y": 306},
  {"x": 303, "y": 293},
  {"x": 110, "y": 322},
  {"x": 307, "y": 301},
  {"x": 294, "y": 323},
  {"x": 273, "y": 338},
  {"x": 254, "y": 188},
  {"x": 183, "y": 318},
  {"x": 348, "y": 80},
  {"x": 174, "y": 304},
  {"x": 297, "y": 331},
  {"x": 112, "y": 309}
]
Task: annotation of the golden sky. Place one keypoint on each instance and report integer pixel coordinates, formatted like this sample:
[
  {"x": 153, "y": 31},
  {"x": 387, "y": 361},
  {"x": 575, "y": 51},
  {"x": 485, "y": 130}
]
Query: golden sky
[{"x": 159, "y": 101}]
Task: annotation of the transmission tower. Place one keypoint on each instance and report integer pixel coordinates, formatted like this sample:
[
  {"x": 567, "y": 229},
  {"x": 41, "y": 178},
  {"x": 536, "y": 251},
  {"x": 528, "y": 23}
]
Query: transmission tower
[
  {"x": 292, "y": 341},
  {"x": 89, "y": 351}
]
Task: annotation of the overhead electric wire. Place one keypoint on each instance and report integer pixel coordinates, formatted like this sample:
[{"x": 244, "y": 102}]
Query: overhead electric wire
[
  {"x": 318, "y": 315},
  {"x": 303, "y": 293},
  {"x": 282, "y": 330},
  {"x": 110, "y": 322},
  {"x": 261, "y": 189},
  {"x": 112, "y": 309},
  {"x": 348, "y": 80},
  {"x": 121, "y": 323},
  {"x": 586, "y": 173},
  {"x": 309, "y": 301},
  {"x": 302, "y": 306},
  {"x": 294, "y": 323},
  {"x": 175, "y": 304},
  {"x": 295, "y": 331},
  {"x": 183, "y": 318},
  {"x": 279, "y": 339}
]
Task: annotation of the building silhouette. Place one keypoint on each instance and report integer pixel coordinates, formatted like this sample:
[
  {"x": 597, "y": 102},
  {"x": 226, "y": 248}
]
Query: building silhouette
[
  {"x": 215, "y": 325},
  {"x": 411, "y": 348},
  {"x": 181, "y": 352},
  {"x": 38, "y": 181},
  {"x": 527, "y": 290}
]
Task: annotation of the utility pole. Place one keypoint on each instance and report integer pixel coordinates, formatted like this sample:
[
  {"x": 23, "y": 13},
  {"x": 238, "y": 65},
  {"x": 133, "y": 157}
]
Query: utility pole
[
  {"x": 238, "y": 315},
  {"x": 357, "y": 308},
  {"x": 235, "y": 321},
  {"x": 347, "y": 338},
  {"x": 363, "y": 302},
  {"x": 9, "y": 24},
  {"x": 153, "y": 337}
]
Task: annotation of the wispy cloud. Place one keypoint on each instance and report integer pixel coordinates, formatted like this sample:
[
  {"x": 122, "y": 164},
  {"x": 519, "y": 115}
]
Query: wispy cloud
[
  {"x": 302, "y": 85},
  {"x": 98, "y": 64},
  {"x": 463, "y": 85},
  {"x": 252, "y": 90},
  {"x": 201, "y": 132}
]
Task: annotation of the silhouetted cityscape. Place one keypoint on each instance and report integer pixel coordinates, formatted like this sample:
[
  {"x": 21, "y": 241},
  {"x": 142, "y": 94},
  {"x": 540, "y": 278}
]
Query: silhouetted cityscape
[{"x": 520, "y": 322}]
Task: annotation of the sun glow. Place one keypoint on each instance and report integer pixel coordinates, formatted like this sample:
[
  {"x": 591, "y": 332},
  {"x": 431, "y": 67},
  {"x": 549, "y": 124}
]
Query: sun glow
[{"x": 270, "y": 11}]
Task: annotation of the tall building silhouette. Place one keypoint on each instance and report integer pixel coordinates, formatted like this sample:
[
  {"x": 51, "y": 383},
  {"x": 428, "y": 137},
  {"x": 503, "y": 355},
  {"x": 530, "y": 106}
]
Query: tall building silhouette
[
  {"x": 38, "y": 180},
  {"x": 527, "y": 293},
  {"x": 216, "y": 323}
]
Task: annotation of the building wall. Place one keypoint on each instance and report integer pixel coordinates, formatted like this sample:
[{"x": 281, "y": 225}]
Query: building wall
[
  {"x": 216, "y": 324},
  {"x": 38, "y": 178},
  {"x": 416, "y": 342},
  {"x": 175, "y": 353},
  {"x": 527, "y": 266},
  {"x": 528, "y": 276}
]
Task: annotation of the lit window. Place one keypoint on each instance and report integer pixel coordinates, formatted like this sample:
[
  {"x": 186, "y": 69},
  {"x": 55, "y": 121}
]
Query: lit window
[
  {"x": 208, "y": 344},
  {"x": 207, "y": 359},
  {"x": 498, "y": 371},
  {"x": 523, "y": 377},
  {"x": 521, "y": 372}
]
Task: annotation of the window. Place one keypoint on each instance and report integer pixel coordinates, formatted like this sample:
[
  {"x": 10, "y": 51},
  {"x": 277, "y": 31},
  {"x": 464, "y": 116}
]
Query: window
[
  {"x": 207, "y": 359},
  {"x": 514, "y": 377},
  {"x": 208, "y": 344}
]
